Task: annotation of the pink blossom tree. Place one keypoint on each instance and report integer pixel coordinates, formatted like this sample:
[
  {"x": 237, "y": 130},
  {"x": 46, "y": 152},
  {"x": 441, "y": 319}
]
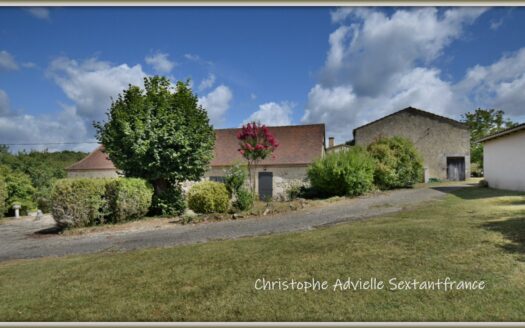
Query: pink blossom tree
[{"x": 256, "y": 143}]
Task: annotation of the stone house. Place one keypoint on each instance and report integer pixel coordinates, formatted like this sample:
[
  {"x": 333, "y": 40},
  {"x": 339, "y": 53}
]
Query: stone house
[
  {"x": 444, "y": 143},
  {"x": 504, "y": 158},
  {"x": 94, "y": 165},
  {"x": 299, "y": 145}
]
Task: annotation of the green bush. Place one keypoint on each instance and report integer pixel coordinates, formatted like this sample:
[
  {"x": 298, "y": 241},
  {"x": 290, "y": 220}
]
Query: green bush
[
  {"x": 398, "y": 163},
  {"x": 348, "y": 172},
  {"x": 235, "y": 178},
  {"x": 243, "y": 200},
  {"x": 79, "y": 202},
  {"x": 3, "y": 196},
  {"x": 208, "y": 197},
  {"x": 127, "y": 199},
  {"x": 168, "y": 203},
  {"x": 19, "y": 191}
]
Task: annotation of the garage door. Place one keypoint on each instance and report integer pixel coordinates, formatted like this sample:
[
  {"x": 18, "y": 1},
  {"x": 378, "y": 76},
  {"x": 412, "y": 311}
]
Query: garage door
[{"x": 456, "y": 168}]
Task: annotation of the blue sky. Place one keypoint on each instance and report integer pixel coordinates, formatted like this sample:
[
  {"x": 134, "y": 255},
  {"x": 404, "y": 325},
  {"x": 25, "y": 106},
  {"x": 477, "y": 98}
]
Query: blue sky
[{"x": 60, "y": 66}]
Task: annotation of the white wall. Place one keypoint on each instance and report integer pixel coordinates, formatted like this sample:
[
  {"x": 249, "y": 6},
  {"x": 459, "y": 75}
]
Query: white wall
[{"x": 504, "y": 162}]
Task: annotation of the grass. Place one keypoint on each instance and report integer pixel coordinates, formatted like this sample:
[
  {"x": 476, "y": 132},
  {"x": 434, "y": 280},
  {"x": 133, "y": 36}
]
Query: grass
[{"x": 472, "y": 234}]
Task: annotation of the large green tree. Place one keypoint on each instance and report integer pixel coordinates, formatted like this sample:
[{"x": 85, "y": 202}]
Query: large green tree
[
  {"x": 483, "y": 122},
  {"x": 160, "y": 134}
]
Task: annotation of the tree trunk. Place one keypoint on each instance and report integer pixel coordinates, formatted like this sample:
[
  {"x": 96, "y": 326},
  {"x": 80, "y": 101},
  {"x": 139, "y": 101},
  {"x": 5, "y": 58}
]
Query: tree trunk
[{"x": 160, "y": 185}]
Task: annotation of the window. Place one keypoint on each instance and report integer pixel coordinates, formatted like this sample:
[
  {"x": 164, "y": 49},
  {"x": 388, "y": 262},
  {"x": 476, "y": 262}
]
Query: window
[{"x": 217, "y": 179}]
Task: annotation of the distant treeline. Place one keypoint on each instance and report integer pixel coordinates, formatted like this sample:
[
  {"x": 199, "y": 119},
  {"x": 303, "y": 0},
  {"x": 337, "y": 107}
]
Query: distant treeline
[{"x": 26, "y": 178}]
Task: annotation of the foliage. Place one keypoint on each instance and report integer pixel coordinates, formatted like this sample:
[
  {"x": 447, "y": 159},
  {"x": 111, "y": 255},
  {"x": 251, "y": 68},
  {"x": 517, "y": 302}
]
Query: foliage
[
  {"x": 19, "y": 191},
  {"x": 398, "y": 163},
  {"x": 348, "y": 172},
  {"x": 168, "y": 202},
  {"x": 243, "y": 200},
  {"x": 256, "y": 142},
  {"x": 235, "y": 178},
  {"x": 481, "y": 123},
  {"x": 79, "y": 202},
  {"x": 208, "y": 197},
  {"x": 42, "y": 167},
  {"x": 3, "y": 196},
  {"x": 159, "y": 134},
  {"x": 128, "y": 199},
  {"x": 294, "y": 190}
]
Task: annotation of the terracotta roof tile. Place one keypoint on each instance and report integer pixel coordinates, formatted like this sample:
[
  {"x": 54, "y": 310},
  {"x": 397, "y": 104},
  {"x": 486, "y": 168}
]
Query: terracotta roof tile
[
  {"x": 97, "y": 160},
  {"x": 298, "y": 145}
]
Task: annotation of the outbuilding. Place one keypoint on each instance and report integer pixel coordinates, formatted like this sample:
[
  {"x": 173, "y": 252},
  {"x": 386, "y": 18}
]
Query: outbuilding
[
  {"x": 443, "y": 143},
  {"x": 504, "y": 159},
  {"x": 299, "y": 146}
]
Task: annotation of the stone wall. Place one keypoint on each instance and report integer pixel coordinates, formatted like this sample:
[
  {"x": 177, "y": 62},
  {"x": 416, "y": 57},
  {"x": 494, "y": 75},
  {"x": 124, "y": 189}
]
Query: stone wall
[
  {"x": 434, "y": 139},
  {"x": 93, "y": 174},
  {"x": 283, "y": 177}
]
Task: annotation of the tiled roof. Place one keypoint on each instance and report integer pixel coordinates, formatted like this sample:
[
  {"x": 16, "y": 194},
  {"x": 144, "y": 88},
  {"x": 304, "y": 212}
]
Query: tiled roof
[
  {"x": 298, "y": 145},
  {"x": 519, "y": 127},
  {"x": 96, "y": 160}
]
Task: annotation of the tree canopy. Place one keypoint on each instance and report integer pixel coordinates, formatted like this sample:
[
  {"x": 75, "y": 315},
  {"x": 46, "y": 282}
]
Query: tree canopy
[
  {"x": 483, "y": 122},
  {"x": 159, "y": 133}
]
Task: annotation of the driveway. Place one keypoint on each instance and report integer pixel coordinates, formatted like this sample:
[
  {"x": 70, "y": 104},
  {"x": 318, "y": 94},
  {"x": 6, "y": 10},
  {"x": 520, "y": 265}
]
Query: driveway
[{"x": 18, "y": 239}]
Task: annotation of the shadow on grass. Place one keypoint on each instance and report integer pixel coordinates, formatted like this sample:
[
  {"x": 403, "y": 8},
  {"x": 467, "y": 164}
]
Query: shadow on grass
[
  {"x": 472, "y": 191},
  {"x": 513, "y": 230}
]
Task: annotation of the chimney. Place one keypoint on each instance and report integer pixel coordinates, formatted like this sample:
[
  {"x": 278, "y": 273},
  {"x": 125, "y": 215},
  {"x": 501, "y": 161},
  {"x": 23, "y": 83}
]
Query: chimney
[{"x": 331, "y": 141}]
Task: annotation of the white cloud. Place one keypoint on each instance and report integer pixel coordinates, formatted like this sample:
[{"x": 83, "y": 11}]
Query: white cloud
[
  {"x": 66, "y": 126},
  {"x": 160, "y": 62},
  {"x": 207, "y": 82},
  {"x": 7, "y": 61},
  {"x": 379, "y": 63},
  {"x": 92, "y": 83},
  {"x": 273, "y": 114},
  {"x": 499, "y": 85},
  {"x": 4, "y": 103},
  {"x": 192, "y": 57},
  {"x": 217, "y": 103},
  {"x": 39, "y": 12}
]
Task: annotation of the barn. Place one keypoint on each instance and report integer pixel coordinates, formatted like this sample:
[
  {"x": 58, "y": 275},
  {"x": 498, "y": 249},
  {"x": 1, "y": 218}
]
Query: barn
[
  {"x": 504, "y": 159},
  {"x": 444, "y": 143},
  {"x": 299, "y": 146}
]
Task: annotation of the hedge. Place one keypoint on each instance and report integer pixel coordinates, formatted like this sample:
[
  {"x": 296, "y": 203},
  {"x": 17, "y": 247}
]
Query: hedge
[
  {"x": 86, "y": 202},
  {"x": 3, "y": 196},
  {"x": 128, "y": 199},
  {"x": 208, "y": 197},
  {"x": 344, "y": 173},
  {"x": 398, "y": 163},
  {"x": 79, "y": 202}
]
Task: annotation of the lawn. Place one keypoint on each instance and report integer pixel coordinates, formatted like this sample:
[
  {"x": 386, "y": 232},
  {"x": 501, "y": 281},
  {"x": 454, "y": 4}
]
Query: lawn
[{"x": 472, "y": 234}]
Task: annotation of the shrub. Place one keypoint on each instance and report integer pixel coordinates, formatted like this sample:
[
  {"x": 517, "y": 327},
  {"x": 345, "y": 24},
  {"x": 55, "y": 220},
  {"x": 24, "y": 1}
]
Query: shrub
[
  {"x": 235, "y": 178},
  {"x": 348, "y": 172},
  {"x": 244, "y": 199},
  {"x": 398, "y": 163},
  {"x": 3, "y": 196},
  {"x": 127, "y": 199},
  {"x": 483, "y": 183},
  {"x": 208, "y": 197},
  {"x": 19, "y": 191},
  {"x": 169, "y": 202},
  {"x": 79, "y": 202}
]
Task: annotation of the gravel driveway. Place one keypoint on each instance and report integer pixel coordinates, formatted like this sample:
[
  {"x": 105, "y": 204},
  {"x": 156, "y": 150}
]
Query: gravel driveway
[{"x": 19, "y": 241}]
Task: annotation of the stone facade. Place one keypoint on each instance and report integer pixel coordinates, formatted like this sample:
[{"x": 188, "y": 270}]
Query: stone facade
[
  {"x": 435, "y": 137},
  {"x": 110, "y": 173},
  {"x": 284, "y": 177}
]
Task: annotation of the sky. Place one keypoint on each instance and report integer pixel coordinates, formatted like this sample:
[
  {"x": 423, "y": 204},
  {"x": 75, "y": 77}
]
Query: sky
[{"x": 346, "y": 66}]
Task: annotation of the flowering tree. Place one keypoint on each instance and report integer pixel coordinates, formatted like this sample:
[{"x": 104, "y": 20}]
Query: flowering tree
[{"x": 256, "y": 143}]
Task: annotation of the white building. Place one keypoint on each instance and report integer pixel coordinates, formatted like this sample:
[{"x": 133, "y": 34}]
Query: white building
[{"x": 504, "y": 159}]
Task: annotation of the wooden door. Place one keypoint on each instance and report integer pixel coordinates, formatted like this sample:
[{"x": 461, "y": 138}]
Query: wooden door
[
  {"x": 265, "y": 185},
  {"x": 456, "y": 168}
]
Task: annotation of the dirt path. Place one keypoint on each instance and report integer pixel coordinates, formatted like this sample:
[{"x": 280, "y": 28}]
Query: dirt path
[{"x": 19, "y": 241}]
